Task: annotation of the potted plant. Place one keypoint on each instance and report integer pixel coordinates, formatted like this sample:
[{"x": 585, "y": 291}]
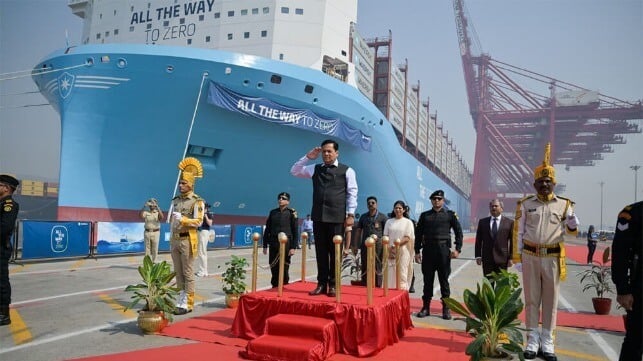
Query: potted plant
[
  {"x": 233, "y": 280},
  {"x": 491, "y": 316},
  {"x": 158, "y": 291},
  {"x": 598, "y": 277}
]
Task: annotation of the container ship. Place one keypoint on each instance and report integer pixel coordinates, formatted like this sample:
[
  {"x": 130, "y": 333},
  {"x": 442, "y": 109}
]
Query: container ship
[{"x": 247, "y": 87}]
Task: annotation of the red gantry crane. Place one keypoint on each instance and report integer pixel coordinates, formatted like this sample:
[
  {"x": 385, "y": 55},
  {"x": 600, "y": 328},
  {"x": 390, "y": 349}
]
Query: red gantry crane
[{"x": 513, "y": 123}]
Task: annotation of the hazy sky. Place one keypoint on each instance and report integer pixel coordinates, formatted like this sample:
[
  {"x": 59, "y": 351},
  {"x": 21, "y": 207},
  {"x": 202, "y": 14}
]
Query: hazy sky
[{"x": 595, "y": 44}]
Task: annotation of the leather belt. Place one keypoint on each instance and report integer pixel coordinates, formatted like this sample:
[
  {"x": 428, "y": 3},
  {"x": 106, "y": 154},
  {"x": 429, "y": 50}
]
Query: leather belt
[
  {"x": 542, "y": 251},
  {"x": 184, "y": 234},
  {"x": 152, "y": 230}
]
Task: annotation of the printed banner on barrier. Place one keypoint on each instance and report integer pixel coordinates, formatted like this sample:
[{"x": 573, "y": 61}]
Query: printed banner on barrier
[
  {"x": 270, "y": 111},
  {"x": 55, "y": 239},
  {"x": 243, "y": 234},
  {"x": 222, "y": 236}
]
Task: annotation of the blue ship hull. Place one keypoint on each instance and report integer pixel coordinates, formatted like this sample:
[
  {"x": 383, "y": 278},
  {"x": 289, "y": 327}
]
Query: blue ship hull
[{"x": 129, "y": 112}]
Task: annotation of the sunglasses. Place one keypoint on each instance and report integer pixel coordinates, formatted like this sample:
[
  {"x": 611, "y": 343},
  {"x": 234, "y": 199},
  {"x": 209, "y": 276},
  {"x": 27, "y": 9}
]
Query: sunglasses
[{"x": 282, "y": 198}]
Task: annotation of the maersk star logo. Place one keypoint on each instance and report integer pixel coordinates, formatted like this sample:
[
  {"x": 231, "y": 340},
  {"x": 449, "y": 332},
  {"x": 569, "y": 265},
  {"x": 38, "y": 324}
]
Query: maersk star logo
[{"x": 65, "y": 84}]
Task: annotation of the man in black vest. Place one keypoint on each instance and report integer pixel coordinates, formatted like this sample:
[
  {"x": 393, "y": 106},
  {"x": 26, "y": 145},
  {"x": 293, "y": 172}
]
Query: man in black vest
[{"x": 334, "y": 204}]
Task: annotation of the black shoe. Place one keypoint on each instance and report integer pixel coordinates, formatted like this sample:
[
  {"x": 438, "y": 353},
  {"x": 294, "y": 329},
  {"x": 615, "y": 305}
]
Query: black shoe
[
  {"x": 4, "y": 320},
  {"x": 446, "y": 313},
  {"x": 529, "y": 355},
  {"x": 181, "y": 311},
  {"x": 423, "y": 312},
  {"x": 411, "y": 290},
  {"x": 331, "y": 292},
  {"x": 548, "y": 356},
  {"x": 318, "y": 291}
]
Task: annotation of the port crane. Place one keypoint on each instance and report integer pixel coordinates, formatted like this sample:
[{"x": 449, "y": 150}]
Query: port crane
[{"x": 513, "y": 122}]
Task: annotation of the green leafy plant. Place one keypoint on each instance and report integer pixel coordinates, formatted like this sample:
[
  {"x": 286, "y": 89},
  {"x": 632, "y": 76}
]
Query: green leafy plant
[
  {"x": 157, "y": 289},
  {"x": 234, "y": 276},
  {"x": 352, "y": 262},
  {"x": 598, "y": 276},
  {"x": 491, "y": 316}
]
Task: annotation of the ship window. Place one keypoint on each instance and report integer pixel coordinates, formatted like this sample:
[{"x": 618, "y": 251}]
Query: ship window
[
  {"x": 266, "y": 10},
  {"x": 182, "y": 21},
  {"x": 246, "y": 35},
  {"x": 299, "y": 11},
  {"x": 217, "y": 15},
  {"x": 115, "y": 31},
  {"x": 255, "y": 11},
  {"x": 189, "y": 41},
  {"x": 97, "y": 35},
  {"x": 166, "y": 23},
  {"x": 308, "y": 89},
  {"x": 344, "y": 52},
  {"x": 285, "y": 10},
  {"x": 276, "y": 79},
  {"x": 281, "y": 56},
  {"x": 207, "y": 39},
  {"x": 201, "y": 17},
  {"x": 104, "y": 59},
  {"x": 244, "y": 11},
  {"x": 264, "y": 33},
  {"x": 114, "y": 12},
  {"x": 131, "y": 28},
  {"x": 230, "y": 13},
  {"x": 100, "y": 16},
  {"x": 131, "y": 9},
  {"x": 229, "y": 36}
]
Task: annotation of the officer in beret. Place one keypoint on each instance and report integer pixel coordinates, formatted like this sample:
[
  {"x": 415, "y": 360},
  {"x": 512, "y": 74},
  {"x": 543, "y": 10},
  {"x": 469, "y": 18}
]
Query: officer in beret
[
  {"x": 627, "y": 275},
  {"x": 539, "y": 252},
  {"x": 187, "y": 216},
  {"x": 281, "y": 219},
  {"x": 152, "y": 216},
  {"x": 433, "y": 238},
  {"x": 8, "y": 215}
]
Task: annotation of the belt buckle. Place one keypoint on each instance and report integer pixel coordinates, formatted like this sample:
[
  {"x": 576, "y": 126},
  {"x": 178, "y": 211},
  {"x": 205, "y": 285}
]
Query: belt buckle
[{"x": 542, "y": 251}]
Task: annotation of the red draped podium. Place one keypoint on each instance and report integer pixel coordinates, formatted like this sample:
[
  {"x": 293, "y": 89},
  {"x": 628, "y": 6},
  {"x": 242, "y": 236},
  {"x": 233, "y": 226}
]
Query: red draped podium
[{"x": 363, "y": 330}]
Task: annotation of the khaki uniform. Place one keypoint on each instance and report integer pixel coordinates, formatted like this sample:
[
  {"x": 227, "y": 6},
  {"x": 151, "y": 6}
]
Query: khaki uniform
[
  {"x": 184, "y": 241},
  {"x": 152, "y": 232},
  {"x": 538, "y": 243}
]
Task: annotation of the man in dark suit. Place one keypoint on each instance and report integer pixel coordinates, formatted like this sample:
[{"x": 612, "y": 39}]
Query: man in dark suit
[{"x": 493, "y": 240}]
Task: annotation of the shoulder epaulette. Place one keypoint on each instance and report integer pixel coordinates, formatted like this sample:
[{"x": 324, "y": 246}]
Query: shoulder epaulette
[
  {"x": 564, "y": 198},
  {"x": 525, "y": 198},
  {"x": 293, "y": 211}
]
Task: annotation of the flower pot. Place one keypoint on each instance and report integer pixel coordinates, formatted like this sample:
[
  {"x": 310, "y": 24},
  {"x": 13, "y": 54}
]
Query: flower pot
[
  {"x": 151, "y": 322},
  {"x": 602, "y": 306},
  {"x": 232, "y": 300}
]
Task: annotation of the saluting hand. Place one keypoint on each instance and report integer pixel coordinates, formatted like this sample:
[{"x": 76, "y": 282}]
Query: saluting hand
[{"x": 314, "y": 153}]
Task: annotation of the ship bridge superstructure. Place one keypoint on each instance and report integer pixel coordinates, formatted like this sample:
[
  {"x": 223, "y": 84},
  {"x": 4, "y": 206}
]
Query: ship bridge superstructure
[{"x": 516, "y": 111}]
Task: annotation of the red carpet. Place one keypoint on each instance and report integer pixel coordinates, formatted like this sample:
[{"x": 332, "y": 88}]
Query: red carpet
[
  {"x": 569, "y": 319},
  {"x": 213, "y": 332}
]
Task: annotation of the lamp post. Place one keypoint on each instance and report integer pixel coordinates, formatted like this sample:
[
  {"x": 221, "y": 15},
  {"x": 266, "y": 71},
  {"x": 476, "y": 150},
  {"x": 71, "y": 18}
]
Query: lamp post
[
  {"x": 602, "y": 184},
  {"x": 635, "y": 168}
]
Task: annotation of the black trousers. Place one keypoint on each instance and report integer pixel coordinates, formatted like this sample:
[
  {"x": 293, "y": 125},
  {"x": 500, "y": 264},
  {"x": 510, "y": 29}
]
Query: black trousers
[
  {"x": 325, "y": 250},
  {"x": 631, "y": 348},
  {"x": 591, "y": 248},
  {"x": 5, "y": 286},
  {"x": 436, "y": 257},
  {"x": 273, "y": 260}
]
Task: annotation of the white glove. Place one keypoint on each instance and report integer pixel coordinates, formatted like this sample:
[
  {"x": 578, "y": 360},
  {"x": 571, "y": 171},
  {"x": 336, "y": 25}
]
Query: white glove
[
  {"x": 518, "y": 267},
  {"x": 572, "y": 222},
  {"x": 176, "y": 215}
]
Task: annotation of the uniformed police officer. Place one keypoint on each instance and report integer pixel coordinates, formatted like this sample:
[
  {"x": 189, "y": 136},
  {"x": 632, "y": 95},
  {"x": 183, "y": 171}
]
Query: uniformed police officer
[
  {"x": 539, "y": 251},
  {"x": 280, "y": 219},
  {"x": 371, "y": 222},
  {"x": 433, "y": 238},
  {"x": 628, "y": 278},
  {"x": 8, "y": 214},
  {"x": 187, "y": 216},
  {"x": 152, "y": 217}
]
